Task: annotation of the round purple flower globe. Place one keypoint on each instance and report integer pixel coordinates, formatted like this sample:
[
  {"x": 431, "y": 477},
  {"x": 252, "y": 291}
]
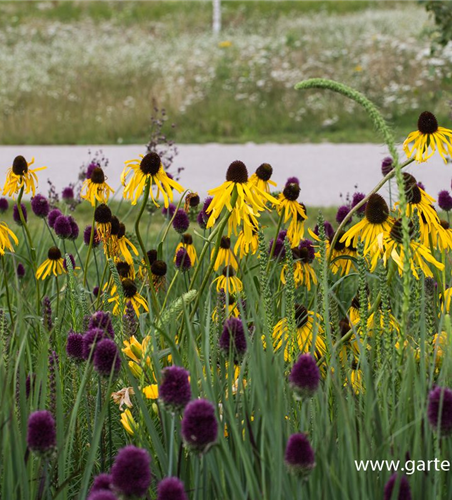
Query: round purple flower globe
[
  {"x": 329, "y": 231},
  {"x": 68, "y": 194},
  {"x": 102, "y": 495},
  {"x": 293, "y": 180},
  {"x": 4, "y": 205},
  {"x": 181, "y": 222},
  {"x": 182, "y": 262},
  {"x": 440, "y": 410},
  {"x": 299, "y": 455},
  {"x": 89, "y": 171},
  {"x": 106, "y": 358},
  {"x": 445, "y": 200},
  {"x": 169, "y": 212},
  {"x": 279, "y": 252},
  {"x": 20, "y": 270},
  {"x": 87, "y": 237},
  {"x": 131, "y": 472},
  {"x": 358, "y": 198},
  {"x": 201, "y": 220},
  {"x": 102, "y": 319},
  {"x": 62, "y": 227},
  {"x": 41, "y": 433},
  {"x": 91, "y": 337},
  {"x": 199, "y": 425},
  {"x": 171, "y": 488},
  {"x": 53, "y": 216},
  {"x": 175, "y": 390},
  {"x": 341, "y": 213},
  {"x": 101, "y": 482},
  {"x": 304, "y": 377},
  {"x": 74, "y": 229},
  {"x": 16, "y": 214},
  {"x": 72, "y": 259},
  {"x": 233, "y": 338},
  {"x": 74, "y": 346},
  {"x": 400, "y": 484},
  {"x": 40, "y": 206},
  {"x": 386, "y": 166}
]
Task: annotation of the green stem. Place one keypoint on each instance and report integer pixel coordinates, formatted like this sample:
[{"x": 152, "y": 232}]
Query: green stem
[
  {"x": 90, "y": 246},
  {"x": 171, "y": 446},
  {"x": 5, "y": 281},
  {"x": 169, "y": 289}
]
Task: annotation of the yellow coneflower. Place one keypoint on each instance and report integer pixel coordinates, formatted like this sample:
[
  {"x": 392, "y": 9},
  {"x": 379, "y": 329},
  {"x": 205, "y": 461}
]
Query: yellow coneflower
[
  {"x": 54, "y": 264},
  {"x": 341, "y": 257},
  {"x": 192, "y": 200},
  {"x": 149, "y": 168},
  {"x": 125, "y": 246},
  {"x": 353, "y": 311},
  {"x": 246, "y": 246},
  {"x": 292, "y": 210},
  {"x": 231, "y": 309},
  {"x": 355, "y": 378},
  {"x": 225, "y": 256},
  {"x": 261, "y": 178},
  {"x": 427, "y": 138},
  {"x": 350, "y": 349},
  {"x": 125, "y": 270},
  {"x": 131, "y": 295},
  {"x": 372, "y": 325},
  {"x": 309, "y": 332},
  {"x": 21, "y": 176},
  {"x": 6, "y": 235},
  {"x": 390, "y": 245},
  {"x": 187, "y": 244},
  {"x": 295, "y": 231},
  {"x": 304, "y": 273},
  {"x": 96, "y": 188},
  {"x": 445, "y": 300},
  {"x": 376, "y": 221},
  {"x": 103, "y": 219},
  {"x": 228, "y": 282},
  {"x": 158, "y": 274},
  {"x": 249, "y": 197},
  {"x": 128, "y": 422}
]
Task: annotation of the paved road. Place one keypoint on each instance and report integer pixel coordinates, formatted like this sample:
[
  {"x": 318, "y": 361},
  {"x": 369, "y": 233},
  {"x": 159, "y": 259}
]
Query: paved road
[{"x": 325, "y": 170}]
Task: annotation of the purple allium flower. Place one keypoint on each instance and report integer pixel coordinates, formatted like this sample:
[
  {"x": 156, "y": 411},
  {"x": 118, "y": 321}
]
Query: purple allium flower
[
  {"x": 403, "y": 487},
  {"x": 307, "y": 251},
  {"x": 62, "y": 227},
  {"x": 304, "y": 377},
  {"x": 233, "y": 336},
  {"x": 181, "y": 221},
  {"x": 199, "y": 425},
  {"x": 183, "y": 262},
  {"x": 342, "y": 212},
  {"x": 106, "y": 358},
  {"x": 175, "y": 391},
  {"x": 357, "y": 198},
  {"x": 131, "y": 472},
  {"x": 53, "y": 216},
  {"x": 41, "y": 434},
  {"x": 299, "y": 455},
  {"x": 74, "y": 346},
  {"x": 90, "y": 169},
  {"x": 96, "y": 291},
  {"x": 101, "y": 482},
  {"x": 3, "y": 205},
  {"x": 440, "y": 400},
  {"x": 40, "y": 206},
  {"x": 282, "y": 235},
  {"x": 102, "y": 495},
  {"x": 445, "y": 200},
  {"x": 386, "y": 166},
  {"x": 200, "y": 219},
  {"x": 329, "y": 231},
  {"x": 74, "y": 229},
  {"x": 20, "y": 270},
  {"x": 293, "y": 180},
  {"x": 169, "y": 211},
  {"x": 206, "y": 204},
  {"x": 72, "y": 259},
  {"x": 421, "y": 185},
  {"x": 16, "y": 214},
  {"x": 171, "y": 488},
  {"x": 68, "y": 194},
  {"x": 87, "y": 236},
  {"x": 102, "y": 319},
  {"x": 92, "y": 336},
  {"x": 279, "y": 251}
]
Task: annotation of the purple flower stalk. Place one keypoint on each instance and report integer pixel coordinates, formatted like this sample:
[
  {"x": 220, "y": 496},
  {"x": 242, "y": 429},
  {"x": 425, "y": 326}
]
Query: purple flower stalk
[
  {"x": 40, "y": 206},
  {"x": 199, "y": 426},
  {"x": 440, "y": 410},
  {"x": 299, "y": 455},
  {"x": 233, "y": 338},
  {"x": 403, "y": 487},
  {"x": 131, "y": 472},
  {"x": 304, "y": 377},
  {"x": 106, "y": 358},
  {"x": 41, "y": 434},
  {"x": 175, "y": 391},
  {"x": 171, "y": 488}
]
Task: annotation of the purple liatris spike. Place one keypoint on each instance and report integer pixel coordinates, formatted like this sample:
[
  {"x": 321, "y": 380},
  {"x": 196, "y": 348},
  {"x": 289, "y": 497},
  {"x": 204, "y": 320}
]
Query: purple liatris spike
[
  {"x": 106, "y": 358},
  {"x": 131, "y": 472},
  {"x": 299, "y": 455},
  {"x": 233, "y": 338},
  {"x": 130, "y": 320},
  {"x": 53, "y": 368},
  {"x": 199, "y": 426},
  {"x": 440, "y": 410},
  {"x": 175, "y": 391},
  {"x": 41, "y": 432},
  {"x": 171, "y": 488},
  {"x": 304, "y": 377},
  {"x": 47, "y": 313},
  {"x": 400, "y": 483}
]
